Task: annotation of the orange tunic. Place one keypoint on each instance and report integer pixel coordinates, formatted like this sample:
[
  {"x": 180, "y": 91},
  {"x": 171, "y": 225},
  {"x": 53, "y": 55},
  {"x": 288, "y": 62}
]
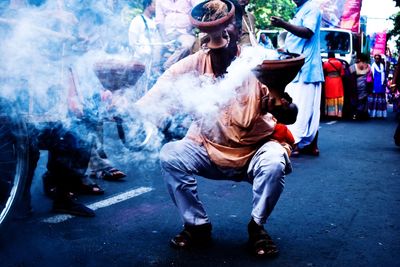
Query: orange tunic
[
  {"x": 334, "y": 71},
  {"x": 240, "y": 128}
]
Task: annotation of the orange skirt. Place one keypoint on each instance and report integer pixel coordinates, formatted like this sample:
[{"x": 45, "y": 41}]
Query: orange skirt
[{"x": 334, "y": 107}]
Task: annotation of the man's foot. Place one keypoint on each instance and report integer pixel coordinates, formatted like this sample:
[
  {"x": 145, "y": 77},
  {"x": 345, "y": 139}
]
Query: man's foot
[
  {"x": 69, "y": 206},
  {"x": 111, "y": 174},
  {"x": 311, "y": 149},
  {"x": 260, "y": 243},
  {"x": 193, "y": 235},
  {"x": 87, "y": 186}
]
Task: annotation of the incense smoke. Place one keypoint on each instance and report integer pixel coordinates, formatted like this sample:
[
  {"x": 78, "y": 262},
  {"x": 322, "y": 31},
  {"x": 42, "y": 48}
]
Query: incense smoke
[{"x": 47, "y": 56}]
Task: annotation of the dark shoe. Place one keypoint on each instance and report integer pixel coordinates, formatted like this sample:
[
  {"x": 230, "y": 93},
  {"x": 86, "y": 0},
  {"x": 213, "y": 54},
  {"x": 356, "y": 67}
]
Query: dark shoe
[
  {"x": 69, "y": 206},
  {"x": 310, "y": 150},
  {"x": 260, "y": 243},
  {"x": 87, "y": 187},
  {"x": 193, "y": 235}
]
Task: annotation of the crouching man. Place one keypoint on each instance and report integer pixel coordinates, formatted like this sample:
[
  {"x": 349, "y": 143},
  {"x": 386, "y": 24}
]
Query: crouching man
[{"x": 244, "y": 143}]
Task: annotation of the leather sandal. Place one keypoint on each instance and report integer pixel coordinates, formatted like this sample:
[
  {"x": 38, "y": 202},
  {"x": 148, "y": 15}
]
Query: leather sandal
[
  {"x": 193, "y": 236},
  {"x": 260, "y": 243},
  {"x": 90, "y": 189},
  {"x": 111, "y": 174},
  {"x": 87, "y": 187}
]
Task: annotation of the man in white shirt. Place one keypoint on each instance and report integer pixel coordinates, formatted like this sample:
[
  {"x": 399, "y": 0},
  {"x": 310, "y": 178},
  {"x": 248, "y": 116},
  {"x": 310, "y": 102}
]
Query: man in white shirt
[{"x": 145, "y": 41}]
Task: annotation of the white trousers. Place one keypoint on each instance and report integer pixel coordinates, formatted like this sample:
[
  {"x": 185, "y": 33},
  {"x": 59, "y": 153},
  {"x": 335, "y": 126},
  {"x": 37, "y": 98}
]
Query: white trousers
[
  {"x": 307, "y": 97},
  {"x": 183, "y": 161}
]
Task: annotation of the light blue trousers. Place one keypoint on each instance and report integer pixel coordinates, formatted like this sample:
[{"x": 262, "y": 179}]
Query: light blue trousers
[{"x": 182, "y": 161}]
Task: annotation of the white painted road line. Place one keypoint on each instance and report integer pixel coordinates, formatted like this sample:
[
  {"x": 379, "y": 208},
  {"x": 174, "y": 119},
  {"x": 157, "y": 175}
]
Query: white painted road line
[
  {"x": 331, "y": 122},
  {"x": 103, "y": 203}
]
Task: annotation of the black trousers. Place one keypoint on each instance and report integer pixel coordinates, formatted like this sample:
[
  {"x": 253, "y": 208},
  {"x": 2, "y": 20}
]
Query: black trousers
[{"x": 68, "y": 154}]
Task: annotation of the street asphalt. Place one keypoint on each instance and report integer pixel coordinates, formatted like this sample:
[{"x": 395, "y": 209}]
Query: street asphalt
[{"x": 338, "y": 209}]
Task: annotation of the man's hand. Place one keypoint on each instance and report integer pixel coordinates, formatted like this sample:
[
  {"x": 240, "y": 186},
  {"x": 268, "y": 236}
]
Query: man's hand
[
  {"x": 285, "y": 112},
  {"x": 277, "y": 22},
  {"x": 299, "y": 31},
  {"x": 282, "y": 134},
  {"x": 270, "y": 103}
]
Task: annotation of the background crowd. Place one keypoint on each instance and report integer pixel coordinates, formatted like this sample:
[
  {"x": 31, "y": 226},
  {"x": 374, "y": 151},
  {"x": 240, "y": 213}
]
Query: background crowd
[{"x": 158, "y": 36}]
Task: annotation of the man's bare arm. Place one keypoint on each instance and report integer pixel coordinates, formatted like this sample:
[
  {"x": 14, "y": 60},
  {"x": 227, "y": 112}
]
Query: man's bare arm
[{"x": 302, "y": 32}]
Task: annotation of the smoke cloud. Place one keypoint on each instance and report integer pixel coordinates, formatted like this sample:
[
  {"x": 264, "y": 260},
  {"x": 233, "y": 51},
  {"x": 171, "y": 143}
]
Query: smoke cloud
[{"x": 48, "y": 53}]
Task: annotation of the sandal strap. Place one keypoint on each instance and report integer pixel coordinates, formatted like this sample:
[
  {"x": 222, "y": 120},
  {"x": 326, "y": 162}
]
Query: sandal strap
[
  {"x": 112, "y": 173},
  {"x": 183, "y": 239},
  {"x": 261, "y": 243},
  {"x": 199, "y": 235}
]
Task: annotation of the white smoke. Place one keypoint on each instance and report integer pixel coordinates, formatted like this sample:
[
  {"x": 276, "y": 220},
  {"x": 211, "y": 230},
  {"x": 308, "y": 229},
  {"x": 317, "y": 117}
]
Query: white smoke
[{"x": 41, "y": 46}]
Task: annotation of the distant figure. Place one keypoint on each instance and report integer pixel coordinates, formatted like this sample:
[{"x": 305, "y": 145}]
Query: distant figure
[
  {"x": 395, "y": 87},
  {"x": 248, "y": 25},
  {"x": 334, "y": 93},
  {"x": 145, "y": 41},
  {"x": 303, "y": 38},
  {"x": 362, "y": 84},
  {"x": 377, "y": 106},
  {"x": 172, "y": 19},
  {"x": 265, "y": 41}
]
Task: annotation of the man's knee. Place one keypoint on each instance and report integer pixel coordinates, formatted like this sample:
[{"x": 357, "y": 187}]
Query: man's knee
[
  {"x": 271, "y": 162},
  {"x": 168, "y": 154},
  {"x": 273, "y": 168}
]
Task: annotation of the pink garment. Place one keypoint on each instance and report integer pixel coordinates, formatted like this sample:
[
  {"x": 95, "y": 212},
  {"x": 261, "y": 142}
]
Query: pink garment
[{"x": 174, "y": 14}]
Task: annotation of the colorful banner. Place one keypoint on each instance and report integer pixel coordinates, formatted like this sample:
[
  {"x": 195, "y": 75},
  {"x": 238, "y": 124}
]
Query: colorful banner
[
  {"x": 344, "y": 14},
  {"x": 351, "y": 16},
  {"x": 379, "y": 45}
]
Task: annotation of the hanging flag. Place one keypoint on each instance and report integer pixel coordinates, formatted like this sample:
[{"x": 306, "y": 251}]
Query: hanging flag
[
  {"x": 379, "y": 44},
  {"x": 351, "y": 16},
  {"x": 344, "y": 14}
]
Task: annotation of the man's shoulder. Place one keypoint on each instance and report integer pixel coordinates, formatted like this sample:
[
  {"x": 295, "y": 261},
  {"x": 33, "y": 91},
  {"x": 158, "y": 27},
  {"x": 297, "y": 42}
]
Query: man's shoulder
[{"x": 311, "y": 6}]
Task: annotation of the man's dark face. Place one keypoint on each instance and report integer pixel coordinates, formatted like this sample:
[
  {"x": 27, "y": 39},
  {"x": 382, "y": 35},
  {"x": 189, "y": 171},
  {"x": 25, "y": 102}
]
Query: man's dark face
[{"x": 299, "y": 2}]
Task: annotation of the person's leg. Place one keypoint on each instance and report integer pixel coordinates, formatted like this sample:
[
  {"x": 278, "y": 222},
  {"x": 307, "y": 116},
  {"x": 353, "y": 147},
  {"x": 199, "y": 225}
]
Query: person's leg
[
  {"x": 100, "y": 139},
  {"x": 397, "y": 135},
  {"x": 180, "y": 162},
  {"x": 24, "y": 208},
  {"x": 307, "y": 97},
  {"x": 266, "y": 172},
  {"x": 68, "y": 160}
]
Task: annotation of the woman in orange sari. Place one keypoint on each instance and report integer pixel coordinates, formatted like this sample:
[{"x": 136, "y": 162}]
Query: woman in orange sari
[{"x": 334, "y": 93}]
